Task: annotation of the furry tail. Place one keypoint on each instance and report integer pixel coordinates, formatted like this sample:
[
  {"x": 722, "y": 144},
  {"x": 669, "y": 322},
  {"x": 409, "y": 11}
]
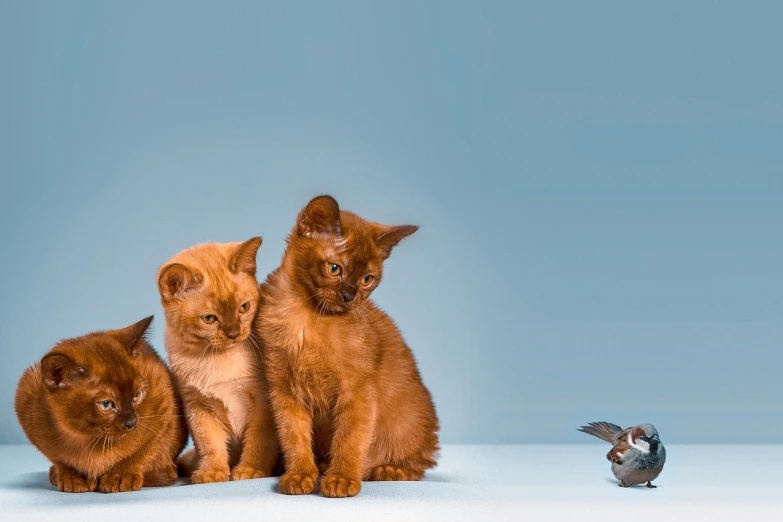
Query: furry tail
[
  {"x": 603, "y": 430},
  {"x": 187, "y": 463}
]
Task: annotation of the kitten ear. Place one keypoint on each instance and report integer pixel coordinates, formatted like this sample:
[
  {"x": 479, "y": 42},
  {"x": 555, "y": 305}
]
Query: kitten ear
[
  {"x": 130, "y": 335},
  {"x": 320, "y": 216},
  {"x": 390, "y": 236},
  {"x": 175, "y": 279},
  {"x": 59, "y": 371},
  {"x": 244, "y": 258}
]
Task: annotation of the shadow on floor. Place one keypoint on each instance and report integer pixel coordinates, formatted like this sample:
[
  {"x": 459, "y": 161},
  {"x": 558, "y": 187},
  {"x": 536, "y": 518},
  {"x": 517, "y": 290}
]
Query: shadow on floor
[
  {"x": 34, "y": 489},
  {"x": 635, "y": 486}
]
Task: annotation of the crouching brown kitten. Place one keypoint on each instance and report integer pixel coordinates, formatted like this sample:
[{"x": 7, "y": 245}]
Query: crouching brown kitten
[
  {"x": 210, "y": 295},
  {"x": 344, "y": 387},
  {"x": 103, "y": 410}
]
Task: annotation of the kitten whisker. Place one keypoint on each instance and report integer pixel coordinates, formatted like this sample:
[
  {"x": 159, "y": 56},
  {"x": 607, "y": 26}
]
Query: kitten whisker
[
  {"x": 252, "y": 347},
  {"x": 321, "y": 308},
  {"x": 87, "y": 447},
  {"x": 254, "y": 344}
]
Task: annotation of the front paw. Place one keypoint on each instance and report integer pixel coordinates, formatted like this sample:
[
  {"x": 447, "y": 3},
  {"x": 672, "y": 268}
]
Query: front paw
[
  {"x": 297, "y": 483},
  {"x": 209, "y": 475},
  {"x": 337, "y": 486},
  {"x": 69, "y": 481},
  {"x": 119, "y": 482},
  {"x": 245, "y": 472}
]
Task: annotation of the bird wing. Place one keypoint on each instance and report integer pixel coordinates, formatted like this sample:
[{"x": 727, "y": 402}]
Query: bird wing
[
  {"x": 621, "y": 435},
  {"x": 603, "y": 430},
  {"x": 617, "y": 453}
]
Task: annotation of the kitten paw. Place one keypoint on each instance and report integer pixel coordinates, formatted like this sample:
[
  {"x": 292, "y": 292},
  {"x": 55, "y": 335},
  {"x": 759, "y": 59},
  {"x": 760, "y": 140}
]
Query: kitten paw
[
  {"x": 209, "y": 475},
  {"x": 245, "y": 472},
  {"x": 161, "y": 477},
  {"x": 297, "y": 483},
  {"x": 390, "y": 472},
  {"x": 338, "y": 486},
  {"x": 120, "y": 482},
  {"x": 71, "y": 482}
]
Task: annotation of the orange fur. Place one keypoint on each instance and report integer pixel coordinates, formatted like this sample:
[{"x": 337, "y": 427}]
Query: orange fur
[
  {"x": 130, "y": 445},
  {"x": 344, "y": 386},
  {"x": 210, "y": 295}
]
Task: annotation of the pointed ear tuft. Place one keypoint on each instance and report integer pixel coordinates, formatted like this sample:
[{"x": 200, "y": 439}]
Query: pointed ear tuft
[
  {"x": 320, "y": 216},
  {"x": 59, "y": 371},
  {"x": 176, "y": 279},
  {"x": 244, "y": 257},
  {"x": 131, "y": 335},
  {"x": 391, "y": 236}
]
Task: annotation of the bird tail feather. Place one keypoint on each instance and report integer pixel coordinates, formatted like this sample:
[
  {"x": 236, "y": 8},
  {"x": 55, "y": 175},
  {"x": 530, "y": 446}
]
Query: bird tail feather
[{"x": 603, "y": 430}]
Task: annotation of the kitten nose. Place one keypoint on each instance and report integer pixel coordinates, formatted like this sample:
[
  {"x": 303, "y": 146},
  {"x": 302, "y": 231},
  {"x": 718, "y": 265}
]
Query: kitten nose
[
  {"x": 232, "y": 332},
  {"x": 130, "y": 421},
  {"x": 347, "y": 297}
]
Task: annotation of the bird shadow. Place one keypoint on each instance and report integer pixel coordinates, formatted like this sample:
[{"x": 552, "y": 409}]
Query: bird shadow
[{"x": 634, "y": 486}]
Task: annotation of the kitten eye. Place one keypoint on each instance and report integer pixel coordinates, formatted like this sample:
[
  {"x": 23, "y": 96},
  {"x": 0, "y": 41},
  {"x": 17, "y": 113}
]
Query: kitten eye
[
  {"x": 105, "y": 405},
  {"x": 334, "y": 269},
  {"x": 137, "y": 397},
  {"x": 244, "y": 308},
  {"x": 367, "y": 280},
  {"x": 209, "y": 319}
]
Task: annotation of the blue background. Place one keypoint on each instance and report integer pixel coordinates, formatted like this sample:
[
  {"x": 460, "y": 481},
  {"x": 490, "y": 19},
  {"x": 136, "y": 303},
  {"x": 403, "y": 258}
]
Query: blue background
[{"x": 599, "y": 188}]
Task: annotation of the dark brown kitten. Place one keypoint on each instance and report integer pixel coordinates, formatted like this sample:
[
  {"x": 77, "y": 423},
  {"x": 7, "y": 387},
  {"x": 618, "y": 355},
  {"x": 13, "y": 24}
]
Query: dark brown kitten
[
  {"x": 344, "y": 387},
  {"x": 103, "y": 409}
]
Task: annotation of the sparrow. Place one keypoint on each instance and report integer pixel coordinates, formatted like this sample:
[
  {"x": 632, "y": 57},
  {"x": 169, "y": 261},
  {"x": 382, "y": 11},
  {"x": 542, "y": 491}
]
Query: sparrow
[{"x": 637, "y": 455}]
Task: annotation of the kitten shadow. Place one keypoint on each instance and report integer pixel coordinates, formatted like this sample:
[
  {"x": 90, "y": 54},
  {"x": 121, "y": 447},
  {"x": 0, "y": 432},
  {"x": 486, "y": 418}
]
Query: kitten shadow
[
  {"x": 450, "y": 478},
  {"x": 34, "y": 490},
  {"x": 440, "y": 476},
  {"x": 38, "y": 480}
]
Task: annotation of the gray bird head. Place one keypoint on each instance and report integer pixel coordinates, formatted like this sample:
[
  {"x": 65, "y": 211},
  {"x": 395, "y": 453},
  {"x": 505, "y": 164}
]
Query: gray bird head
[
  {"x": 650, "y": 432},
  {"x": 646, "y": 438}
]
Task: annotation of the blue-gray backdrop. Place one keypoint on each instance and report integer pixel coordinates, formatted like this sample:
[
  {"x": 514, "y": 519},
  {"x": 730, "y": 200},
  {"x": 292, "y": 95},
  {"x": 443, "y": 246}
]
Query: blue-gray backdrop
[{"x": 598, "y": 185}]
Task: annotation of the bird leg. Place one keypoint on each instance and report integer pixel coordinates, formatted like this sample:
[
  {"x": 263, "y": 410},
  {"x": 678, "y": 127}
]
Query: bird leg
[
  {"x": 622, "y": 484},
  {"x": 650, "y": 485}
]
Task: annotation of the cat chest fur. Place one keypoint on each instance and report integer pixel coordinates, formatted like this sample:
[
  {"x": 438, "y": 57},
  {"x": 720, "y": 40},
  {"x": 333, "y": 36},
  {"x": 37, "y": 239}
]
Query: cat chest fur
[
  {"x": 313, "y": 380},
  {"x": 230, "y": 378}
]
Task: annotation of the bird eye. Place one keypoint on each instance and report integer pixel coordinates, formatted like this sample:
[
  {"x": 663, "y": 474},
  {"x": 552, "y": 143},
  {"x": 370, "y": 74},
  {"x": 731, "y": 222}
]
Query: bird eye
[
  {"x": 244, "y": 308},
  {"x": 367, "y": 280},
  {"x": 137, "y": 397},
  {"x": 334, "y": 269},
  {"x": 105, "y": 405},
  {"x": 209, "y": 319}
]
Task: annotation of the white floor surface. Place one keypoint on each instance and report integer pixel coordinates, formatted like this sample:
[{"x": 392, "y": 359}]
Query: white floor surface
[{"x": 524, "y": 482}]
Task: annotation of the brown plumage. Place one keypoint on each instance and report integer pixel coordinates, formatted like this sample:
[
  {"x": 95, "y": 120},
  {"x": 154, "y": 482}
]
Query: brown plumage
[
  {"x": 103, "y": 409},
  {"x": 210, "y": 295},
  {"x": 617, "y": 452},
  {"x": 344, "y": 387}
]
